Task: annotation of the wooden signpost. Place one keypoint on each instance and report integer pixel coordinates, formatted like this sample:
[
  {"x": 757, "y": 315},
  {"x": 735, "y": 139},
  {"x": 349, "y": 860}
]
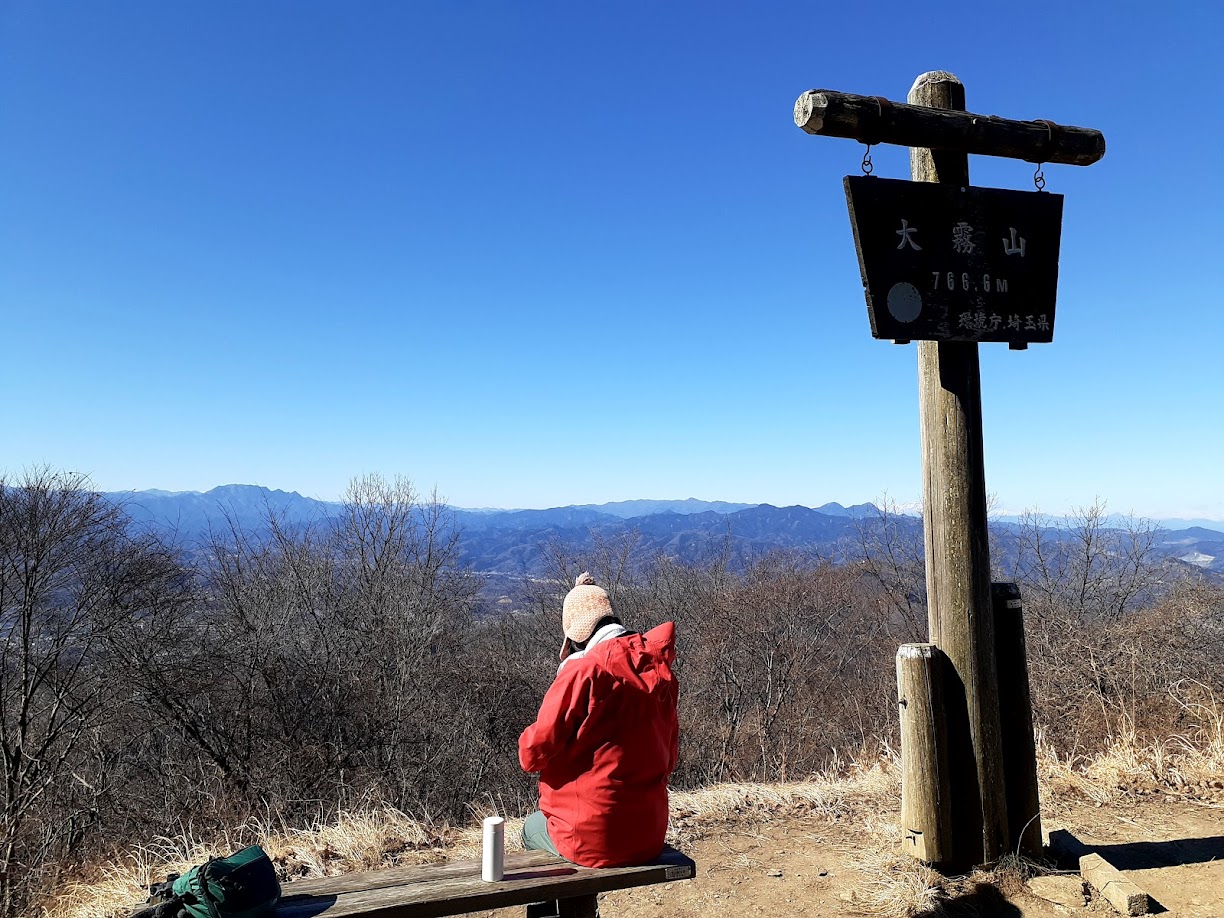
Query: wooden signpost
[{"x": 932, "y": 260}]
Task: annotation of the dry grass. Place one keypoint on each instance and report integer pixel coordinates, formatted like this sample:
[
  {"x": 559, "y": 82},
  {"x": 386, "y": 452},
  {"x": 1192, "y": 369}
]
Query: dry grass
[
  {"x": 836, "y": 794},
  {"x": 1189, "y": 766},
  {"x": 382, "y": 837},
  {"x": 894, "y": 885},
  {"x": 887, "y": 884},
  {"x": 377, "y": 837},
  {"x": 890, "y": 883}
]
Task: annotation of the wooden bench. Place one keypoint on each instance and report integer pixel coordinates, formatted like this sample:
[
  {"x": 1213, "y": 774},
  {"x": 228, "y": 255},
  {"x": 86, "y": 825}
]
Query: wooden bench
[{"x": 456, "y": 888}]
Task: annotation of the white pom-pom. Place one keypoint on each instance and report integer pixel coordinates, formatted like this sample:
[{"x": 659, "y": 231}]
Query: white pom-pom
[{"x": 584, "y": 579}]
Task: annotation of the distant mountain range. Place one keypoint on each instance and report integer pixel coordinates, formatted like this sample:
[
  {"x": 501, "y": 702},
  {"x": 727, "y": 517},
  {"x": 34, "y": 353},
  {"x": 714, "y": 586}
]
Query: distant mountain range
[
  {"x": 517, "y": 542},
  {"x": 191, "y": 514}
]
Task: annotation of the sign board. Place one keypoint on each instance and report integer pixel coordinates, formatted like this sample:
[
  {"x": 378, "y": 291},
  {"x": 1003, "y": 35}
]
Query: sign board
[{"x": 950, "y": 263}]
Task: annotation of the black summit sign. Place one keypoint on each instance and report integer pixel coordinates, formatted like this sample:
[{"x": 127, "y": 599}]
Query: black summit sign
[{"x": 950, "y": 263}]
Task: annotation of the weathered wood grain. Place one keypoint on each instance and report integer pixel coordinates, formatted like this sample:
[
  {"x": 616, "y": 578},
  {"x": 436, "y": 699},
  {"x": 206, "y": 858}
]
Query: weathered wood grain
[
  {"x": 957, "y": 545},
  {"x": 868, "y": 119},
  {"x": 456, "y": 888},
  {"x": 516, "y": 862},
  {"x": 1123, "y": 894},
  {"x": 926, "y": 827},
  {"x": 1016, "y": 722}
]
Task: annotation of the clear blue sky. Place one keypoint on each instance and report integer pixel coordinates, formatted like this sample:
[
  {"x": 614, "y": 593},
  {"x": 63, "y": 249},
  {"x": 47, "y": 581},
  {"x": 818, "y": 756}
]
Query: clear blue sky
[{"x": 537, "y": 253}]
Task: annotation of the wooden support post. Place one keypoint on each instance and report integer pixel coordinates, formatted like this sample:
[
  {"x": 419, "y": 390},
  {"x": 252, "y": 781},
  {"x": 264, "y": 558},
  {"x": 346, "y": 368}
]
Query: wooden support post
[
  {"x": 926, "y": 817},
  {"x": 1016, "y": 723},
  {"x": 957, "y": 546}
]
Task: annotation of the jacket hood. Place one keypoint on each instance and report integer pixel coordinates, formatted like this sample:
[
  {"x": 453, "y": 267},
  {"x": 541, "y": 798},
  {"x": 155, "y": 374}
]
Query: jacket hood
[
  {"x": 663, "y": 639},
  {"x": 649, "y": 656}
]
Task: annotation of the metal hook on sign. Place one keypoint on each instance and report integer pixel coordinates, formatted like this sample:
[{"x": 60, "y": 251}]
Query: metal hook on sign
[
  {"x": 1039, "y": 176},
  {"x": 871, "y": 140}
]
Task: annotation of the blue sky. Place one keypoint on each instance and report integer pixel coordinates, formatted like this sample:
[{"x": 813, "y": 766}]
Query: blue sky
[{"x": 540, "y": 253}]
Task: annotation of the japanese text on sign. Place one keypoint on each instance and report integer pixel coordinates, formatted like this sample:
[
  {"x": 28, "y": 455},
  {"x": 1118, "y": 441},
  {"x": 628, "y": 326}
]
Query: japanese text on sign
[{"x": 949, "y": 263}]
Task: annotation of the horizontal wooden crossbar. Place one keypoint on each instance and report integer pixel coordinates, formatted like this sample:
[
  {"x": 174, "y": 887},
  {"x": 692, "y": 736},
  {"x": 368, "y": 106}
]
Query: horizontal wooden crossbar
[
  {"x": 873, "y": 120},
  {"x": 455, "y": 888}
]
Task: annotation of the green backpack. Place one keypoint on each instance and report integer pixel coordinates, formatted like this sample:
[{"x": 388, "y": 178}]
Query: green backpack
[{"x": 243, "y": 885}]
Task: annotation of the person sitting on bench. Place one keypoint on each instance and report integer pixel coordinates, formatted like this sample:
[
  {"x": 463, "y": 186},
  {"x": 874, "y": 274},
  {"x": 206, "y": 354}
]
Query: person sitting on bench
[{"x": 605, "y": 740}]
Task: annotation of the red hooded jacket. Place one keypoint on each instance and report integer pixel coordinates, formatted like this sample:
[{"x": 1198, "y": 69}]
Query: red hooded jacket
[{"x": 605, "y": 740}]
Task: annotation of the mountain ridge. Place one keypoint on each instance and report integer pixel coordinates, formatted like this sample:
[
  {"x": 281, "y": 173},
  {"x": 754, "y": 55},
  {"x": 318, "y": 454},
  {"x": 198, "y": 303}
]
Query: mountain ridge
[{"x": 518, "y": 542}]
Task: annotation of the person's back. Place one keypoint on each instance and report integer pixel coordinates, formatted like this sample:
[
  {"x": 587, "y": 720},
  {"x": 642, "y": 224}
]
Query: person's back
[{"x": 605, "y": 742}]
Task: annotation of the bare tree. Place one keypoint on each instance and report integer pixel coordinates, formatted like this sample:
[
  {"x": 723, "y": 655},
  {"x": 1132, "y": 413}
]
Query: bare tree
[
  {"x": 890, "y": 553},
  {"x": 71, "y": 576},
  {"x": 1085, "y": 566}
]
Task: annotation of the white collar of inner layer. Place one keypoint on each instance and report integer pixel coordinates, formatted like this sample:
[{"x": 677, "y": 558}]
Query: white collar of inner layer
[{"x": 606, "y": 633}]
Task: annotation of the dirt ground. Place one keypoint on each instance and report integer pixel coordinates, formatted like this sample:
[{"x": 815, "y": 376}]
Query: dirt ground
[
  {"x": 1173, "y": 850},
  {"x": 811, "y": 866}
]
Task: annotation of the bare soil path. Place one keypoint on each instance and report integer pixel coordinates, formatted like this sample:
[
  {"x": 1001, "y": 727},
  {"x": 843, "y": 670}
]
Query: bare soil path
[
  {"x": 1173, "y": 850},
  {"x": 811, "y": 866}
]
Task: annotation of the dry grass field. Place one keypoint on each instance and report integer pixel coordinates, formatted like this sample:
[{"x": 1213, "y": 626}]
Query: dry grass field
[
  {"x": 818, "y": 847},
  {"x": 345, "y": 695}
]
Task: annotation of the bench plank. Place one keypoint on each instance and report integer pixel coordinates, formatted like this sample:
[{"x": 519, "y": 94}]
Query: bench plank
[
  {"x": 455, "y": 888},
  {"x": 407, "y": 875}
]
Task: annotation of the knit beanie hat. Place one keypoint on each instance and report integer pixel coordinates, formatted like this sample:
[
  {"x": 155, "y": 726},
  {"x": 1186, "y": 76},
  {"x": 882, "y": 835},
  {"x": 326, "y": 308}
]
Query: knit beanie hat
[{"x": 584, "y": 606}]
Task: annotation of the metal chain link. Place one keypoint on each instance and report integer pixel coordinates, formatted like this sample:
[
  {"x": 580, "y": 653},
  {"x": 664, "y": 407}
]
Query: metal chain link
[
  {"x": 868, "y": 167},
  {"x": 1039, "y": 178}
]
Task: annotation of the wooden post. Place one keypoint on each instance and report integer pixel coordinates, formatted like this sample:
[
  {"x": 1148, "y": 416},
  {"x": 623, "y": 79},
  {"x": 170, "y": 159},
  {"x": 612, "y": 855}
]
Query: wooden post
[
  {"x": 941, "y": 134},
  {"x": 870, "y": 118},
  {"x": 957, "y": 546},
  {"x": 926, "y": 817},
  {"x": 1016, "y": 723}
]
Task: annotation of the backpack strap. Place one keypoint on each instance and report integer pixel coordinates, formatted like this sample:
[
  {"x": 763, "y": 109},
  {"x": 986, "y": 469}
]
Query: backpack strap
[
  {"x": 205, "y": 894},
  {"x": 162, "y": 902}
]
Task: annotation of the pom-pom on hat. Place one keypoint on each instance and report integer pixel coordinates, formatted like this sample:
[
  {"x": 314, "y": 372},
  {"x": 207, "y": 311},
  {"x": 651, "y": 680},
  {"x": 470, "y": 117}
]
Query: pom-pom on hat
[{"x": 584, "y": 606}]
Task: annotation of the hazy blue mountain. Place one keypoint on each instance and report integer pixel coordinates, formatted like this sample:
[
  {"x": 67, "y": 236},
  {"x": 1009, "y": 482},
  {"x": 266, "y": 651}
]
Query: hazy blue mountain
[
  {"x": 1202, "y": 547},
  {"x": 519, "y": 520},
  {"x": 1118, "y": 521},
  {"x": 192, "y": 513},
  {"x": 1192, "y": 534},
  {"x": 856, "y": 512},
  {"x": 627, "y": 509},
  {"x": 520, "y": 542},
  {"x": 689, "y": 537},
  {"x": 1181, "y": 525}
]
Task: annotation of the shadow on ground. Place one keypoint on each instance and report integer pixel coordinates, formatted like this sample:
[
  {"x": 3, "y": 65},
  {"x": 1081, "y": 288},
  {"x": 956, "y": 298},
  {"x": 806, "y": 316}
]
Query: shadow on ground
[
  {"x": 981, "y": 901},
  {"x": 1144, "y": 855}
]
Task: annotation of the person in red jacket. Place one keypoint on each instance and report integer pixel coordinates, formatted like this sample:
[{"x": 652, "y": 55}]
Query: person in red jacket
[{"x": 605, "y": 740}]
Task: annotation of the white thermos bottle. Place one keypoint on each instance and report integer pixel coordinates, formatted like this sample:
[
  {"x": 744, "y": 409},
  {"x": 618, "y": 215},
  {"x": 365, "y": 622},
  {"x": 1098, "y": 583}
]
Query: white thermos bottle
[{"x": 494, "y": 864}]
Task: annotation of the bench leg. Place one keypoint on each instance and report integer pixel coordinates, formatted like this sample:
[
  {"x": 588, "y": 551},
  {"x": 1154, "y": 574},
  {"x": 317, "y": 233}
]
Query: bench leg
[
  {"x": 574, "y": 907},
  {"x": 578, "y": 907}
]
